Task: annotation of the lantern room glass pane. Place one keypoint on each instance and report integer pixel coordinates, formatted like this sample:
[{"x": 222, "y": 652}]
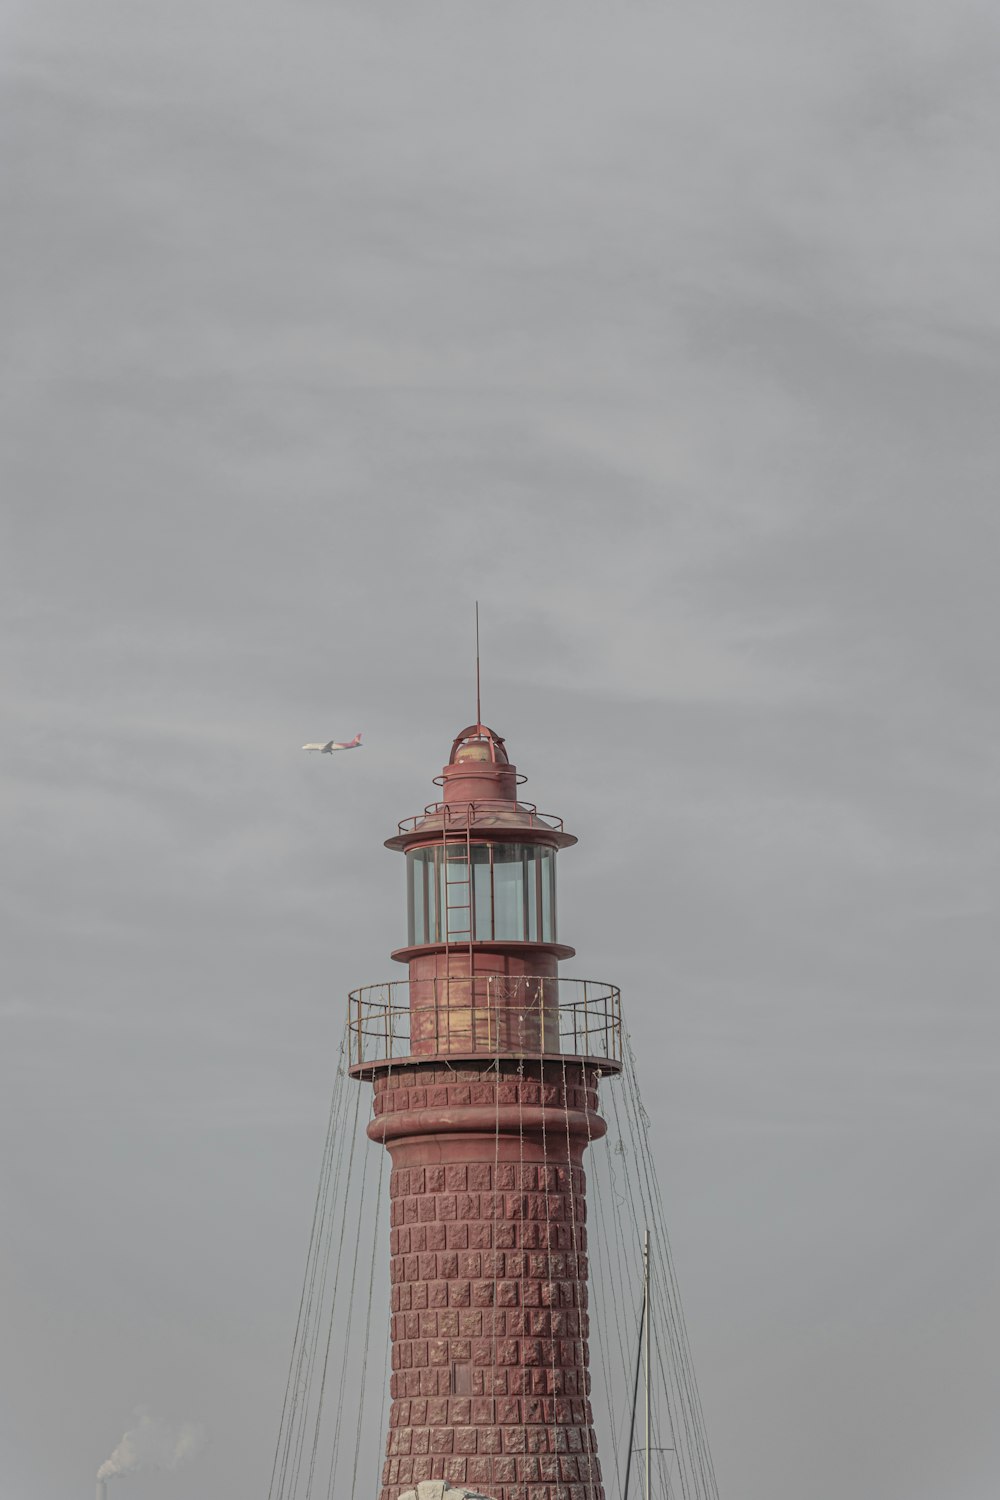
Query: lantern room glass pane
[
  {"x": 531, "y": 901},
  {"x": 425, "y": 881},
  {"x": 508, "y": 892},
  {"x": 416, "y": 898},
  {"x": 547, "y": 875},
  {"x": 482, "y": 884}
]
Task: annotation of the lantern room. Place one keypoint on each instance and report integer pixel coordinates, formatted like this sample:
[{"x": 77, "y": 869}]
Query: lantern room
[{"x": 489, "y": 891}]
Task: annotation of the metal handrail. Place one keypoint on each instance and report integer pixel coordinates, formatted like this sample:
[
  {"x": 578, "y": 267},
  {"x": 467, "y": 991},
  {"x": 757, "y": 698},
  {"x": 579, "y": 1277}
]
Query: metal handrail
[
  {"x": 517, "y": 1015},
  {"x": 460, "y": 815}
]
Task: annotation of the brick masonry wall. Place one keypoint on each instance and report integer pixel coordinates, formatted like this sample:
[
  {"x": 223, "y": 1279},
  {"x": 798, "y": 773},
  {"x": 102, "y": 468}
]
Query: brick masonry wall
[{"x": 490, "y": 1382}]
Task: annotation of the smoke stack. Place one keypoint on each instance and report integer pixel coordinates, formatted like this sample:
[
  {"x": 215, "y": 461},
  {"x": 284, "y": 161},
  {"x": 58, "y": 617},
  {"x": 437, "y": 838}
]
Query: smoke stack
[{"x": 102, "y": 1490}]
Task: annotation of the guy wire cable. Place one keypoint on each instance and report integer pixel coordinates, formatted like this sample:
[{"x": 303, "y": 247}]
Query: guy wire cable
[
  {"x": 322, "y": 1301},
  {"x": 290, "y": 1403},
  {"x": 350, "y": 1317},
  {"x": 673, "y": 1301}
]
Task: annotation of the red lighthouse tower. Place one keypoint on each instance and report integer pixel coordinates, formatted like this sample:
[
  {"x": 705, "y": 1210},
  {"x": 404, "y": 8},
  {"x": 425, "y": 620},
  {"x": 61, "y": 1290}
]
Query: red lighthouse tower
[{"x": 486, "y": 1064}]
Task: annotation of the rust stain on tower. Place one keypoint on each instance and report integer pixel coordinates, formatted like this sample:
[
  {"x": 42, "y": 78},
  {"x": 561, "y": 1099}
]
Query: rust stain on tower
[{"x": 486, "y": 1065}]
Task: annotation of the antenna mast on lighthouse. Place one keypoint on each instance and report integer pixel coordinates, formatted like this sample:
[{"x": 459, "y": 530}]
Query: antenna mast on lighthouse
[{"x": 479, "y": 705}]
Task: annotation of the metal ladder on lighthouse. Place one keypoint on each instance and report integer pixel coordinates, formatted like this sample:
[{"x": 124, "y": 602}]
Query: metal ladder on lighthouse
[{"x": 458, "y": 924}]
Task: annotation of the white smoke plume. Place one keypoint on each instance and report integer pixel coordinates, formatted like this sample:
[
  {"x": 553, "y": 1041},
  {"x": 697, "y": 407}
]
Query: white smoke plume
[{"x": 154, "y": 1444}]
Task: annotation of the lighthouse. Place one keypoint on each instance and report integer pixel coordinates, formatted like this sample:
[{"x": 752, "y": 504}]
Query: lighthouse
[{"x": 486, "y": 1064}]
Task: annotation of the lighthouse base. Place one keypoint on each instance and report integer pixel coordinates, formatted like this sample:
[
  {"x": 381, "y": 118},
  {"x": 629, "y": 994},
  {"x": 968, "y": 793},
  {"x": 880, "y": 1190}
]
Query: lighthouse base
[
  {"x": 490, "y": 1333},
  {"x": 436, "y": 1489}
]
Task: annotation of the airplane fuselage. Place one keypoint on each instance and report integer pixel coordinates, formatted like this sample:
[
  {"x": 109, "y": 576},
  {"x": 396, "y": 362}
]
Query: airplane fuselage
[{"x": 332, "y": 745}]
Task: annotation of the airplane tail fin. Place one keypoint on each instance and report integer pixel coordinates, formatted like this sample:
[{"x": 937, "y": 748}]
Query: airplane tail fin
[{"x": 357, "y": 739}]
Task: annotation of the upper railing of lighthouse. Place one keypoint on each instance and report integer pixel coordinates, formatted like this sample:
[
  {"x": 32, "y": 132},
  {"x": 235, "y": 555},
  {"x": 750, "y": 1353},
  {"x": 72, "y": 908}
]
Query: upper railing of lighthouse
[
  {"x": 485, "y": 813},
  {"x": 494, "y": 1014}
]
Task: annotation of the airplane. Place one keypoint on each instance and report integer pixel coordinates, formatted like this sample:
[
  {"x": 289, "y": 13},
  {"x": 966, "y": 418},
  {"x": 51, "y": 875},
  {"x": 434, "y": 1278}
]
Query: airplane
[{"x": 332, "y": 745}]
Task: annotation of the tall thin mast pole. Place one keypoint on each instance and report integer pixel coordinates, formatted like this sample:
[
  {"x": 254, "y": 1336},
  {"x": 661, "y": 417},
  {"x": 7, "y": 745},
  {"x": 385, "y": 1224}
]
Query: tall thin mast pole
[
  {"x": 635, "y": 1398},
  {"x": 648, "y": 1320},
  {"x": 479, "y": 708}
]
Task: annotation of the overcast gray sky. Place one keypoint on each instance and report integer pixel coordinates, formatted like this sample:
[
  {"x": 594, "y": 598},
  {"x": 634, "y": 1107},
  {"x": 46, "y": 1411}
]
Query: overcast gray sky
[{"x": 671, "y": 333}]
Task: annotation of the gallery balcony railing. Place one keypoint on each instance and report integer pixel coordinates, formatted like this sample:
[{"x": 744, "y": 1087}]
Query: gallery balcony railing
[
  {"x": 498, "y": 1015},
  {"x": 446, "y": 816}
]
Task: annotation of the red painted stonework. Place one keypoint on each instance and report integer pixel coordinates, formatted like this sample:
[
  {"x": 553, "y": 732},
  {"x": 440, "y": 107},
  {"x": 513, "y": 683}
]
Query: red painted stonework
[{"x": 490, "y": 1329}]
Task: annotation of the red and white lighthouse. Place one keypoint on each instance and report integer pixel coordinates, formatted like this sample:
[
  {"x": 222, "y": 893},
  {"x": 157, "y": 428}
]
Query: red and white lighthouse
[{"x": 486, "y": 1064}]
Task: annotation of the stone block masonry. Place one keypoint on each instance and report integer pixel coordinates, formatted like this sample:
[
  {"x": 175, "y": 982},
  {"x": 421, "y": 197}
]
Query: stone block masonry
[{"x": 490, "y": 1333}]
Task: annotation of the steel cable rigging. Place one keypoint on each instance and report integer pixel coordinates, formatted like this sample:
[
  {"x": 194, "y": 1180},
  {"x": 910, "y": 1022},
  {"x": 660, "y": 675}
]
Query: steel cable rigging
[{"x": 334, "y": 1387}]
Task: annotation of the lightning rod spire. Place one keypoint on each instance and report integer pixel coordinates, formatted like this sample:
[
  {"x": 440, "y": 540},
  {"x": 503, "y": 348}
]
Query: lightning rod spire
[{"x": 479, "y": 708}]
